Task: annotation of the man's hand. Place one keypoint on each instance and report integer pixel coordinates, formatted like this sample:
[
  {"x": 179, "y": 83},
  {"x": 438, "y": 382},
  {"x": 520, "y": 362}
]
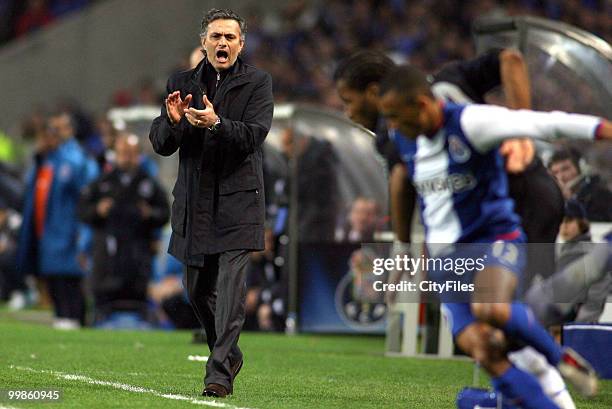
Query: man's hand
[
  {"x": 104, "y": 206},
  {"x": 519, "y": 153},
  {"x": 175, "y": 106},
  {"x": 202, "y": 118},
  {"x": 399, "y": 249},
  {"x": 604, "y": 130}
]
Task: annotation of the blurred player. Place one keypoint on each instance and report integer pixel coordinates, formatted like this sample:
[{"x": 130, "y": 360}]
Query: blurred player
[
  {"x": 537, "y": 198},
  {"x": 453, "y": 161}
]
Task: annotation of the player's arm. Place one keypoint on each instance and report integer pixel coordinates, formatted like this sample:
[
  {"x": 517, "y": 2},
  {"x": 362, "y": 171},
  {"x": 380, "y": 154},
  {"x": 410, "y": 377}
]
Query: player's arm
[
  {"x": 497, "y": 67},
  {"x": 519, "y": 153},
  {"x": 403, "y": 196},
  {"x": 515, "y": 79},
  {"x": 487, "y": 126},
  {"x": 475, "y": 77}
]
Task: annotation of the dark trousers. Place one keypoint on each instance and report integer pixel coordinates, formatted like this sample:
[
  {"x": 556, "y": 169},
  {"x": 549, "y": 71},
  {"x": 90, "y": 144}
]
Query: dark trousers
[
  {"x": 67, "y": 295},
  {"x": 180, "y": 312},
  {"x": 217, "y": 294}
]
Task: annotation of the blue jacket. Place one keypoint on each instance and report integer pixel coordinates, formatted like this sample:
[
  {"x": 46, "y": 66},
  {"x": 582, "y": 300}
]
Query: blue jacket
[{"x": 56, "y": 252}]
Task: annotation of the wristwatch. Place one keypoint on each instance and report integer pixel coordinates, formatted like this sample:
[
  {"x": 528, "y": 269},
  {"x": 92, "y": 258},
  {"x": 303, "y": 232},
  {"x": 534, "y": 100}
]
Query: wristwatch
[{"x": 215, "y": 127}]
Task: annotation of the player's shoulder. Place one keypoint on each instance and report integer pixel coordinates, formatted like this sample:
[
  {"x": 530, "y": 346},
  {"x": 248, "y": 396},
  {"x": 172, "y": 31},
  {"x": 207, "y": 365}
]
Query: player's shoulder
[
  {"x": 481, "y": 112},
  {"x": 406, "y": 147},
  {"x": 452, "y": 113},
  {"x": 454, "y": 123}
]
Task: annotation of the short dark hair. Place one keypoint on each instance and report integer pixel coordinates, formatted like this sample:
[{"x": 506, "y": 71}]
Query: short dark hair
[
  {"x": 363, "y": 68},
  {"x": 406, "y": 80},
  {"x": 574, "y": 210},
  {"x": 222, "y": 14},
  {"x": 563, "y": 154}
]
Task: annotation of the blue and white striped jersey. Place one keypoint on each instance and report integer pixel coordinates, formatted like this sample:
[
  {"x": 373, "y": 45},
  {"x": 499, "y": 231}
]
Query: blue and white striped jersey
[{"x": 459, "y": 174}]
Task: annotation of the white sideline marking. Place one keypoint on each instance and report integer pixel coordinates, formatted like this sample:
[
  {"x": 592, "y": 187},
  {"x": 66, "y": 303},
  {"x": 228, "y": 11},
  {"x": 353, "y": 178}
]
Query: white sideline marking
[
  {"x": 199, "y": 358},
  {"x": 125, "y": 387},
  {"x": 7, "y": 407}
]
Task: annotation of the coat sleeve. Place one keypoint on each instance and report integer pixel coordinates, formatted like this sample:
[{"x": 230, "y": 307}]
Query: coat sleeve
[
  {"x": 164, "y": 136},
  {"x": 245, "y": 136},
  {"x": 482, "y": 73}
]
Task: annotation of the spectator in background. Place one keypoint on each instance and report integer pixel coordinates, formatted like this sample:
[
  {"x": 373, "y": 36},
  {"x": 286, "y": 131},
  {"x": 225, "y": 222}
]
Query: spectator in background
[
  {"x": 48, "y": 244},
  {"x": 575, "y": 228},
  {"x": 34, "y": 124},
  {"x": 61, "y": 7},
  {"x": 107, "y": 133},
  {"x": 83, "y": 126},
  {"x": 589, "y": 190},
  {"x": 146, "y": 93},
  {"x": 362, "y": 222},
  {"x": 267, "y": 292},
  {"x": 11, "y": 284},
  {"x": 124, "y": 207},
  {"x": 579, "y": 289},
  {"x": 35, "y": 16},
  {"x": 106, "y": 158},
  {"x": 316, "y": 182},
  {"x": 195, "y": 57},
  {"x": 11, "y": 187},
  {"x": 167, "y": 292}
]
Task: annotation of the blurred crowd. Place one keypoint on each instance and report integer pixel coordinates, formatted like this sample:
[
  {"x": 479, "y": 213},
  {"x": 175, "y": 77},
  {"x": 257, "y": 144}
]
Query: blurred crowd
[
  {"x": 83, "y": 209},
  {"x": 86, "y": 228},
  {"x": 301, "y": 42},
  {"x": 311, "y": 37},
  {"x": 20, "y": 17}
]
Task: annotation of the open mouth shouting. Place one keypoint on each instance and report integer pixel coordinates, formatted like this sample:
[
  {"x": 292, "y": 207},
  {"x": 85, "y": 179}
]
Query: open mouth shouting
[{"x": 222, "y": 56}]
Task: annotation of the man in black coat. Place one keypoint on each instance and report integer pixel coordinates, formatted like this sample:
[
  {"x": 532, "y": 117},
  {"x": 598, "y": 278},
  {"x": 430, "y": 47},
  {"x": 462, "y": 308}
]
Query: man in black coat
[
  {"x": 125, "y": 207},
  {"x": 217, "y": 116}
]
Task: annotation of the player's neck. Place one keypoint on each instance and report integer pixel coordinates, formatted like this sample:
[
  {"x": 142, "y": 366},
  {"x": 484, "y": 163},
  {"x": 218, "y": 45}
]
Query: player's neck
[{"x": 437, "y": 116}]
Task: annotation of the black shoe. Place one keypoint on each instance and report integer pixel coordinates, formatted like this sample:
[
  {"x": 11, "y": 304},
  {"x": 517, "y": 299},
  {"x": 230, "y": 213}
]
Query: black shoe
[{"x": 214, "y": 390}]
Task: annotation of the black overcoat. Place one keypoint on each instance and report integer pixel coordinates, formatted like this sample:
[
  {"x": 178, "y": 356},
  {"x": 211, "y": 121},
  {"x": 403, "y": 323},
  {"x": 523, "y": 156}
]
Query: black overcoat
[{"x": 218, "y": 196}]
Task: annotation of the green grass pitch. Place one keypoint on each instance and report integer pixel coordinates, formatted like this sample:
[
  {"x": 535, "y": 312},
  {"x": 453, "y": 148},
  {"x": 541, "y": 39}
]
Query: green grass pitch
[{"x": 128, "y": 369}]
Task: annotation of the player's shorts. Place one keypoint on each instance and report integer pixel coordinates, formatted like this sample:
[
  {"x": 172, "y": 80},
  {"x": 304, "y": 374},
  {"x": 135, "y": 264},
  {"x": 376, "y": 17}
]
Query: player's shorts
[{"x": 509, "y": 254}]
